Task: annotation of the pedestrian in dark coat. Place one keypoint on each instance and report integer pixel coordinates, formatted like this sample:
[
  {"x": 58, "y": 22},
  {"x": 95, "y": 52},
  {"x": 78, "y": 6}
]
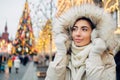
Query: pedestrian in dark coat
[{"x": 117, "y": 60}]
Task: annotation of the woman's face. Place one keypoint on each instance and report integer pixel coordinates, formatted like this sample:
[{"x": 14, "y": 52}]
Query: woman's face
[{"x": 81, "y": 33}]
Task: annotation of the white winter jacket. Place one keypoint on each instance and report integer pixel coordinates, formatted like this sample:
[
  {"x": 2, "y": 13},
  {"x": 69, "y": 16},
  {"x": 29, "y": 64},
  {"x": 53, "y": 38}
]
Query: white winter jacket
[{"x": 95, "y": 68}]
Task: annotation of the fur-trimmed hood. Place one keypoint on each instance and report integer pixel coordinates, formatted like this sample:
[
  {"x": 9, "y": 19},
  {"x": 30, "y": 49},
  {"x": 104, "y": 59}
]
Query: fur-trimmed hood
[{"x": 105, "y": 25}]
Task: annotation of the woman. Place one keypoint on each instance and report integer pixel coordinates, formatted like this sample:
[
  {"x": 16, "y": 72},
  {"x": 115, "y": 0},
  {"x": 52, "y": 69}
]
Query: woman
[{"x": 83, "y": 37}]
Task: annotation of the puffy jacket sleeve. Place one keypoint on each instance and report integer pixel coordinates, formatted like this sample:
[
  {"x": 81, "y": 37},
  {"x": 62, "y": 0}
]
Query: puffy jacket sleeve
[
  {"x": 57, "y": 68},
  {"x": 100, "y": 67}
]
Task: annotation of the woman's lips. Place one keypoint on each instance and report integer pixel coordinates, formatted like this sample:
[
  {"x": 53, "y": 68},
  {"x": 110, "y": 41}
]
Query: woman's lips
[{"x": 78, "y": 40}]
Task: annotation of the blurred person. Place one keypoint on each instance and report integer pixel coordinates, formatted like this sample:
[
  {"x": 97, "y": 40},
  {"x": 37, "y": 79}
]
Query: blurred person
[
  {"x": 17, "y": 64},
  {"x": 25, "y": 60},
  {"x": 117, "y": 60},
  {"x": 13, "y": 58},
  {"x": 9, "y": 64},
  {"x": 0, "y": 62},
  {"x": 35, "y": 59}
]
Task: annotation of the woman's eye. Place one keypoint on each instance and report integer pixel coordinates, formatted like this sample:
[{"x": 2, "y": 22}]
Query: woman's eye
[
  {"x": 74, "y": 28},
  {"x": 84, "y": 29}
]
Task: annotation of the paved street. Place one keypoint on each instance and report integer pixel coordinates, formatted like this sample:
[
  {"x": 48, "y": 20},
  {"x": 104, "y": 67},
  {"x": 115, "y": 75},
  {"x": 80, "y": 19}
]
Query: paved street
[
  {"x": 27, "y": 72},
  {"x": 30, "y": 73}
]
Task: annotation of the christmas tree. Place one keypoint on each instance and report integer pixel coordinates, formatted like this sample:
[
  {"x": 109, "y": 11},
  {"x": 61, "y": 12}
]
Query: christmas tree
[{"x": 24, "y": 41}]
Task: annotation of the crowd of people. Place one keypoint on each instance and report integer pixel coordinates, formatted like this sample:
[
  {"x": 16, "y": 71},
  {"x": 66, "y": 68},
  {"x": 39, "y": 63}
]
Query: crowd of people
[{"x": 13, "y": 61}]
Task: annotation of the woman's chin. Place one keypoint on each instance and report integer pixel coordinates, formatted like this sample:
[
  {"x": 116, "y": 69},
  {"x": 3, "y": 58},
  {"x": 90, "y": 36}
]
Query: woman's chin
[
  {"x": 80, "y": 44},
  {"x": 77, "y": 44}
]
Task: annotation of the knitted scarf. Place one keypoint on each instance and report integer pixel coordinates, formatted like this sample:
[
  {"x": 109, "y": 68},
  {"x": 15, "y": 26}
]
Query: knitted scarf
[{"x": 78, "y": 58}]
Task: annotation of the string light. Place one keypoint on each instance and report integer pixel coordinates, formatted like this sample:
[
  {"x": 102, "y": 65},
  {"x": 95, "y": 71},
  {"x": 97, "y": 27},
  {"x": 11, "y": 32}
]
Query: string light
[
  {"x": 113, "y": 7},
  {"x": 63, "y": 5}
]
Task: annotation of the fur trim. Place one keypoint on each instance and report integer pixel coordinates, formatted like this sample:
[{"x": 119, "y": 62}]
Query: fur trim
[{"x": 105, "y": 25}]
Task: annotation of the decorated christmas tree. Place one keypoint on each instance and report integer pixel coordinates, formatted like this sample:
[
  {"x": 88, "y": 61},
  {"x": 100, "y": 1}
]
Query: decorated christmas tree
[{"x": 24, "y": 41}]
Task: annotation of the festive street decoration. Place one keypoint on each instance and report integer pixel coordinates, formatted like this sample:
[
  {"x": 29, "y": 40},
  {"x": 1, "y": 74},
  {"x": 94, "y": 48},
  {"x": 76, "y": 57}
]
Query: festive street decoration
[
  {"x": 64, "y": 5},
  {"x": 110, "y": 5},
  {"x": 24, "y": 41},
  {"x": 44, "y": 42}
]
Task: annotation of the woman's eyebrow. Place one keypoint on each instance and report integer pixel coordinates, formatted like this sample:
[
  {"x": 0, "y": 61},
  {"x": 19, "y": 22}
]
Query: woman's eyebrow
[
  {"x": 84, "y": 27},
  {"x": 75, "y": 26}
]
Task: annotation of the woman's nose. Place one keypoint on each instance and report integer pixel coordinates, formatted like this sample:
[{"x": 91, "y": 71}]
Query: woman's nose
[{"x": 78, "y": 33}]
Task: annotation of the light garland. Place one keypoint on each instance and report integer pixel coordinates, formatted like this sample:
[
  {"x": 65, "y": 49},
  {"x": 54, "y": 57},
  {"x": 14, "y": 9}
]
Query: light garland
[
  {"x": 63, "y": 5},
  {"x": 112, "y": 8}
]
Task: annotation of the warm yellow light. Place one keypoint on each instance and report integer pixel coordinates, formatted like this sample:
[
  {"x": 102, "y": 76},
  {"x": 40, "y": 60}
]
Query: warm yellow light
[
  {"x": 19, "y": 49},
  {"x": 3, "y": 41},
  {"x": 38, "y": 74},
  {"x": 113, "y": 7},
  {"x": 26, "y": 49},
  {"x": 9, "y": 47},
  {"x": 117, "y": 31}
]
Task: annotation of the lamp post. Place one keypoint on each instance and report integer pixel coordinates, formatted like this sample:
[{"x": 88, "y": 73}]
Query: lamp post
[
  {"x": 118, "y": 20},
  {"x": 50, "y": 34},
  {"x": 43, "y": 44}
]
